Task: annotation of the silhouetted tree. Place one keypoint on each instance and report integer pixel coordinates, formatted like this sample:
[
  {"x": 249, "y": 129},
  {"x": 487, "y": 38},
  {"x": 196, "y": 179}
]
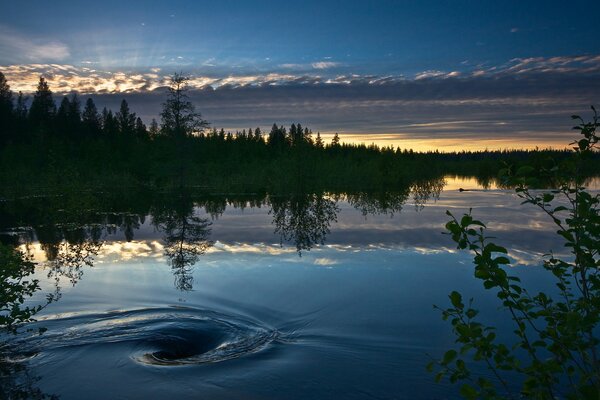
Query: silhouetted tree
[
  {"x": 140, "y": 129},
  {"x": 277, "y": 136},
  {"x": 21, "y": 124},
  {"x": 178, "y": 117},
  {"x": 125, "y": 119},
  {"x": 61, "y": 120},
  {"x": 74, "y": 117},
  {"x": 43, "y": 109},
  {"x": 110, "y": 125},
  {"x": 6, "y": 110},
  {"x": 258, "y": 134},
  {"x": 91, "y": 121},
  {"x": 153, "y": 131},
  {"x": 318, "y": 141},
  {"x": 336, "y": 140}
]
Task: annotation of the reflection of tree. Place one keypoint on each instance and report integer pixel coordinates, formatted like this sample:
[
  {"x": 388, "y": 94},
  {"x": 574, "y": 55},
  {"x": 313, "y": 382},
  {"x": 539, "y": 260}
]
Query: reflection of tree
[
  {"x": 303, "y": 219},
  {"x": 423, "y": 191},
  {"x": 70, "y": 259},
  {"x": 391, "y": 202},
  {"x": 17, "y": 382},
  {"x": 378, "y": 203},
  {"x": 186, "y": 238}
]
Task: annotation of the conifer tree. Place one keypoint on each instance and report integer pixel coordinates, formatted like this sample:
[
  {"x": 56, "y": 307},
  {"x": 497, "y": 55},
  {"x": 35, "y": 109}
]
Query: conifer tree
[
  {"x": 6, "y": 110},
  {"x": 140, "y": 129},
  {"x": 153, "y": 132},
  {"x": 336, "y": 140},
  {"x": 43, "y": 109},
  {"x": 179, "y": 117},
  {"x": 125, "y": 119},
  {"x": 319, "y": 141},
  {"x": 91, "y": 121}
]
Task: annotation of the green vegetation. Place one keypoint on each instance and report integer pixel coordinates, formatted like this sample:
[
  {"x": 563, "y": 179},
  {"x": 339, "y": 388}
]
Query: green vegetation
[{"x": 554, "y": 350}]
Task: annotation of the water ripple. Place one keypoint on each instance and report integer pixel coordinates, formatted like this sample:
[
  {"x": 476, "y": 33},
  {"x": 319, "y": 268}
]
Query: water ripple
[{"x": 160, "y": 336}]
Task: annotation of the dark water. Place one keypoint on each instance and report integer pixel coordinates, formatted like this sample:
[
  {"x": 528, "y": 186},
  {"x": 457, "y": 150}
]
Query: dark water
[{"x": 253, "y": 296}]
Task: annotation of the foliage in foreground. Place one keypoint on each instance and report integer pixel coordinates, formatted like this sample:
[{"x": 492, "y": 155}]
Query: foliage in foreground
[
  {"x": 554, "y": 352},
  {"x": 16, "y": 286}
]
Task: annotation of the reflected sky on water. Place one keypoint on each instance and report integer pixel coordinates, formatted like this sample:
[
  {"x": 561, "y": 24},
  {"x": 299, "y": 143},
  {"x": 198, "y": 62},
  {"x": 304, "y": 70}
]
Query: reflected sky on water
[{"x": 258, "y": 296}]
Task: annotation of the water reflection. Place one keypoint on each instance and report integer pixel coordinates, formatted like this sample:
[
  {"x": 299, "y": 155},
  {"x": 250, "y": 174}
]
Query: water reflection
[
  {"x": 185, "y": 235},
  {"x": 303, "y": 219},
  {"x": 72, "y": 229},
  {"x": 68, "y": 235},
  {"x": 18, "y": 383}
]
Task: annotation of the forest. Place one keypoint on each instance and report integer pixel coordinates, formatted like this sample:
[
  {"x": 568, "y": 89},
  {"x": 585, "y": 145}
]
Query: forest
[{"x": 44, "y": 148}]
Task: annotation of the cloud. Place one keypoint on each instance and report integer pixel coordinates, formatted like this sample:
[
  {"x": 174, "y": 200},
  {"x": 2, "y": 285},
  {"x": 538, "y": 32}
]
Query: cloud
[
  {"x": 324, "y": 64},
  {"x": 525, "y": 101},
  {"x": 15, "y": 47}
]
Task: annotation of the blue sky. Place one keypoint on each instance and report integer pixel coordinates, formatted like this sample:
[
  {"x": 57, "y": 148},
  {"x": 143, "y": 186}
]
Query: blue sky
[{"x": 373, "y": 49}]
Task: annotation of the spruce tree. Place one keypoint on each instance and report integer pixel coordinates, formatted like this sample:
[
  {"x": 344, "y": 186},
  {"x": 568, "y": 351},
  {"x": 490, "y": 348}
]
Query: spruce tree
[
  {"x": 6, "y": 110},
  {"x": 125, "y": 119},
  {"x": 43, "y": 109},
  {"x": 91, "y": 121},
  {"x": 179, "y": 118}
]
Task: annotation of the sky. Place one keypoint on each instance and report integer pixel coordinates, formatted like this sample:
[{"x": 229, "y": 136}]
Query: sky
[{"x": 421, "y": 74}]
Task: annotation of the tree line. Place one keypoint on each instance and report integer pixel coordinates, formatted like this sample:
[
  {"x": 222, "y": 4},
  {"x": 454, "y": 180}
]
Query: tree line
[
  {"x": 43, "y": 120},
  {"x": 43, "y": 146}
]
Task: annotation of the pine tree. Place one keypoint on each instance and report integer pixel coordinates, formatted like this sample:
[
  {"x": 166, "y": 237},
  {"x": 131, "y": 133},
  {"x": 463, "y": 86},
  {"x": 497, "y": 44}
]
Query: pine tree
[
  {"x": 140, "y": 129},
  {"x": 91, "y": 122},
  {"x": 125, "y": 119},
  {"x": 153, "y": 132},
  {"x": 74, "y": 116},
  {"x": 319, "y": 141},
  {"x": 6, "y": 110},
  {"x": 335, "y": 142},
  {"x": 61, "y": 120},
  {"x": 22, "y": 131},
  {"x": 178, "y": 117},
  {"x": 43, "y": 109},
  {"x": 110, "y": 125},
  {"x": 258, "y": 134}
]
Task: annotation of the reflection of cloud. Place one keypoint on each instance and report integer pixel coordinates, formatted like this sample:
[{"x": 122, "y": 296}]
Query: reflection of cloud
[
  {"x": 16, "y": 47},
  {"x": 325, "y": 261}
]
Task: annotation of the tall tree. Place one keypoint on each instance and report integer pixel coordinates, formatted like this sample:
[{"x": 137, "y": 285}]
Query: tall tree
[
  {"x": 22, "y": 131},
  {"x": 110, "y": 126},
  {"x": 6, "y": 110},
  {"x": 140, "y": 129},
  {"x": 319, "y": 141},
  {"x": 153, "y": 131},
  {"x": 178, "y": 117},
  {"x": 277, "y": 136},
  {"x": 61, "y": 120},
  {"x": 258, "y": 134},
  {"x": 125, "y": 119},
  {"x": 74, "y": 116},
  {"x": 91, "y": 121},
  {"x": 43, "y": 109}
]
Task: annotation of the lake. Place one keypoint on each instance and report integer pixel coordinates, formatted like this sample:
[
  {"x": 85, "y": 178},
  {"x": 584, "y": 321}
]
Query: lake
[{"x": 261, "y": 296}]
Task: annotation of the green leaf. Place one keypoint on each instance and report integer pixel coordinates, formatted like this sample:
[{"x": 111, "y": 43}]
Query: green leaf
[
  {"x": 449, "y": 356},
  {"x": 502, "y": 260},
  {"x": 468, "y": 392},
  {"x": 456, "y": 299}
]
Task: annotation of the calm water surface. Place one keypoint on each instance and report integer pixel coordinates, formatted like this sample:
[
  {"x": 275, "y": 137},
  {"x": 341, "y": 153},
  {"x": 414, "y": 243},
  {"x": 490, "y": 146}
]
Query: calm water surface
[{"x": 253, "y": 296}]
